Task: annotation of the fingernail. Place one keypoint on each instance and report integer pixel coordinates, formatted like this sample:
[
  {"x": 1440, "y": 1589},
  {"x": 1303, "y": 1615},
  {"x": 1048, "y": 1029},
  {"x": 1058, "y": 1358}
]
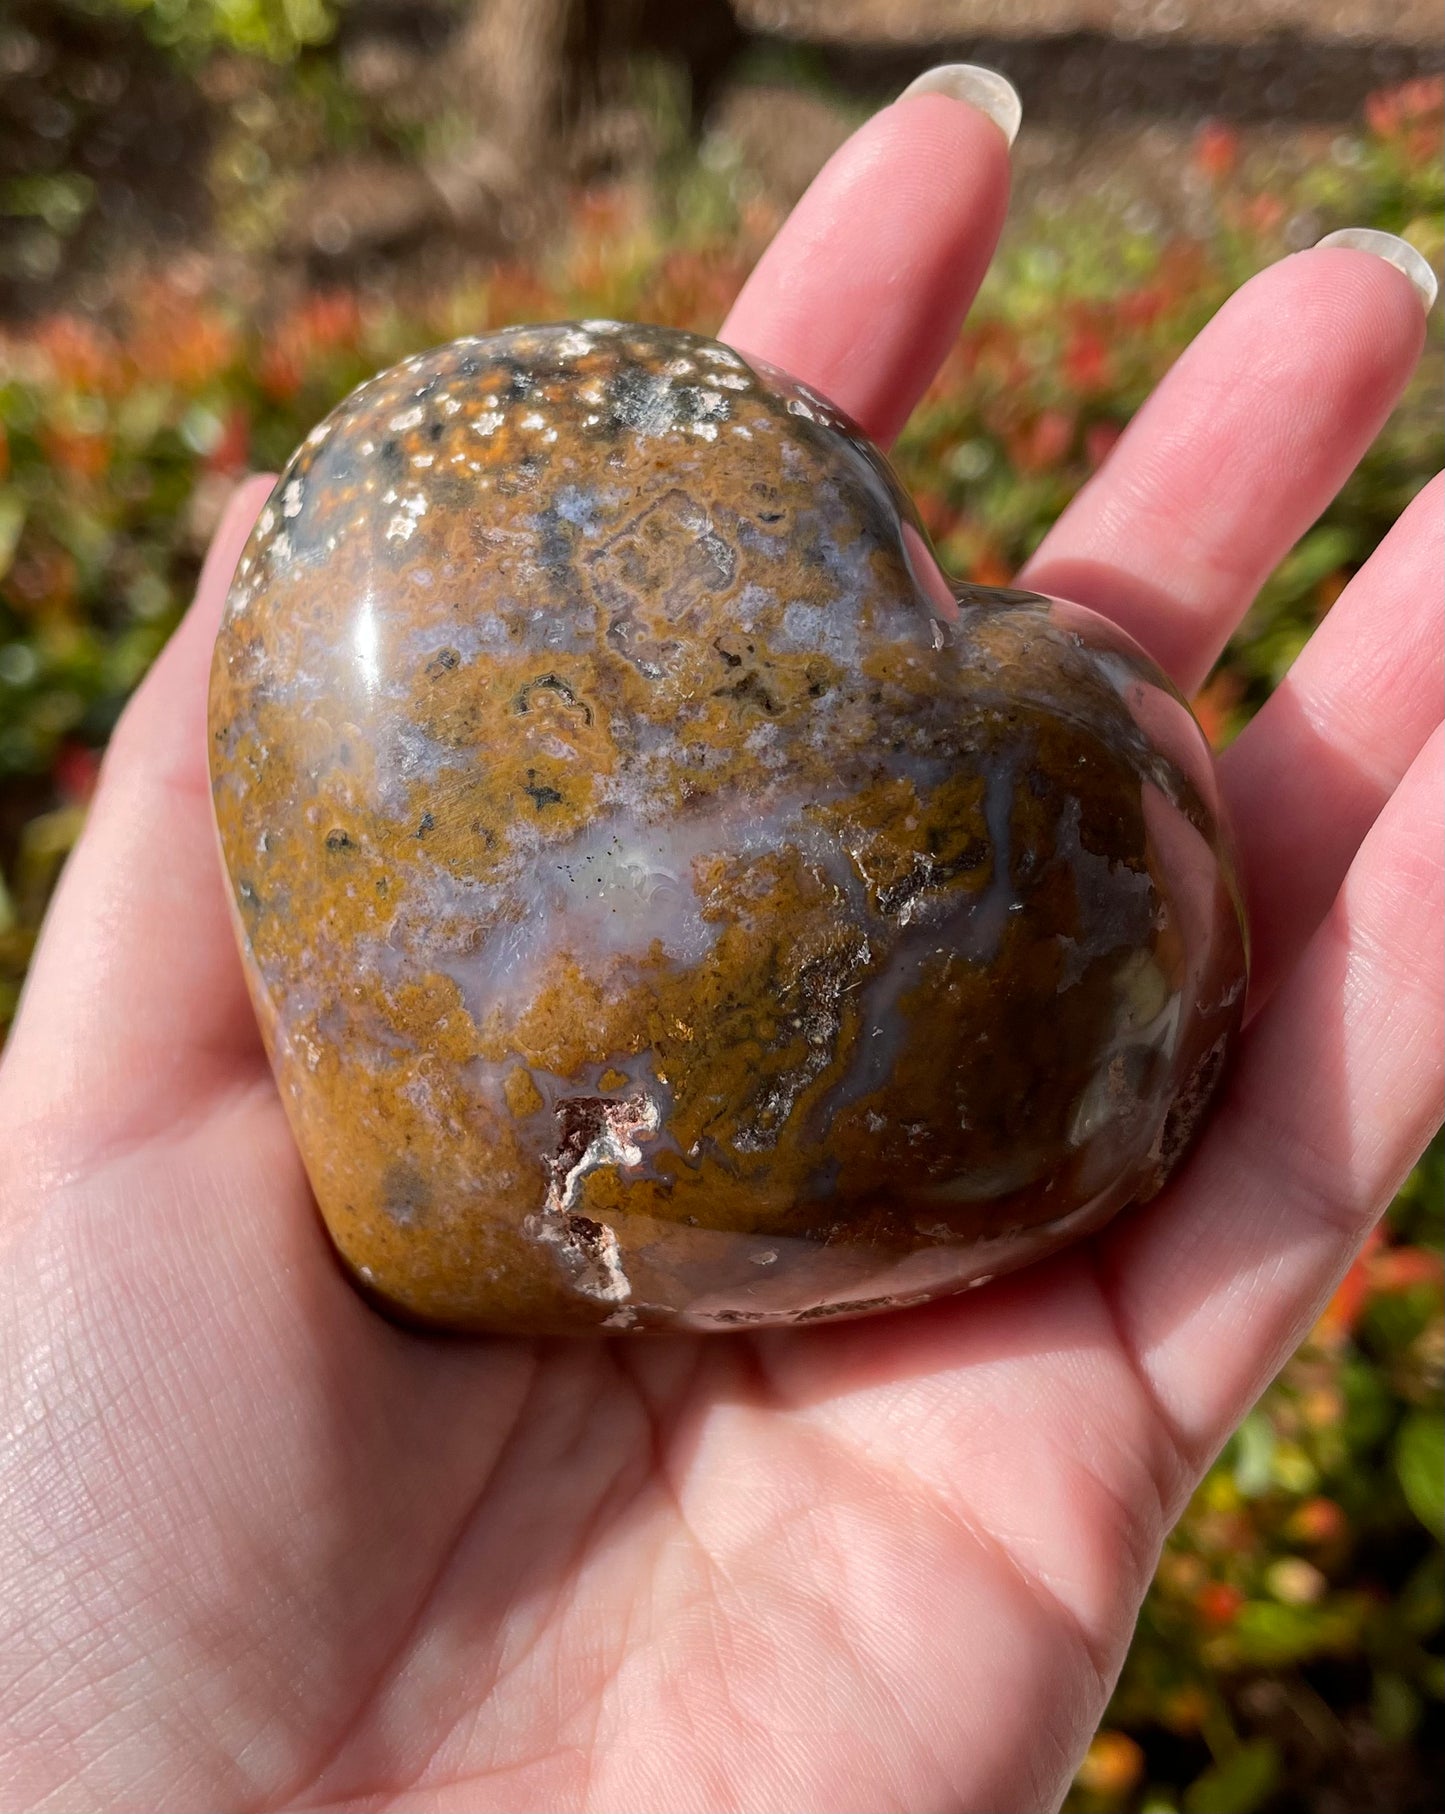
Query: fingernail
[
  {"x": 982, "y": 88},
  {"x": 1395, "y": 251}
]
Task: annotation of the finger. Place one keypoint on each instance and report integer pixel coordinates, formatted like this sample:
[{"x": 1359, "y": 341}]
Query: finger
[
  {"x": 1236, "y": 453},
  {"x": 135, "y": 1004},
  {"x": 1306, "y": 779},
  {"x": 864, "y": 288},
  {"x": 1337, "y": 1089},
  {"x": 149, "y": 936}
]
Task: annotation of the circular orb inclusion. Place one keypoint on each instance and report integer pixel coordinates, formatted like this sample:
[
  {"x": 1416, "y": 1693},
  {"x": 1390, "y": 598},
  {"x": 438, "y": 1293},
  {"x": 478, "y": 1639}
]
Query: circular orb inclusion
[{"x": 668, "y": 901}]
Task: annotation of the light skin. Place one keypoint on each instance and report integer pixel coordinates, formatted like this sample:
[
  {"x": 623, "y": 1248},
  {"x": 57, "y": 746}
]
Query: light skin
[{"x": 261, "y": 1549}]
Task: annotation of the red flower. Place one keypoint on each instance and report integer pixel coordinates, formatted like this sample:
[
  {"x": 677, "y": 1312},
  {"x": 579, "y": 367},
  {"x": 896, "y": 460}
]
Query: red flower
[
  {"x": 231, "y": 454},
  {"x": 1099, "y": 442},
  {"x": 1043, "y": 444},
  {"x": 1088, "y": 363},
  {"x": 1141, "y": 308},
  {"x": 1217, "y": 1603},
  {"x": 1263, "y": 213},
  {"x": 1394, "y": 112},
  {"x": 75, "y": 771},
  {"x": 315, "y": 330},
  {"x": 1216, "y": 150}
]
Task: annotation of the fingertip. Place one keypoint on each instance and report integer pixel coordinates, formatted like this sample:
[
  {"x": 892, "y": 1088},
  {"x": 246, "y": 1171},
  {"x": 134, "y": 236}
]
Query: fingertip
[
  {"x": 1394, "y": 251},
  {"x": 977, "y": 86},
  {"x": 1348, "y": 295},
  {"x": 866, "y": 284}
]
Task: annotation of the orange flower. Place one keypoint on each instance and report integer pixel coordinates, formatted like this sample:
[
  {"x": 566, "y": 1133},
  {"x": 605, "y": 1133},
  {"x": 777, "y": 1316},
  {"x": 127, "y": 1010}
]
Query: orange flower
[
  {"x": 79, "y": 355},
  {"x": 1215, "y": 701},
  {"x": 1329, "y": 589},
  {"x": 1337, "y": 1323},
  {"x": 1113, "y": 1766},
  {"x": 175, "y": 339},
  {"x": 319, "y": 327},
  {"x": 278, "y": 372},
  {"x": 328, "y": 322},
  {"x": 989, "y": 568},
  {"x": 605, "y": 211},
  {"x": 1185, "y": 1709},
  {"x": 694, "y": 289},
  {"x": 515, "y": 293},
  {"x": 80, "y": 456},
  {"x": 1399, "y": 1268},
  {"x": 1318, "y": 1521},
  {"x": 1216, "y": 150}
]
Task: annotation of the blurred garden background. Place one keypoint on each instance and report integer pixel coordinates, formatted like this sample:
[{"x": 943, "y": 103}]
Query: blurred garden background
[{"x": 216, "y": 216}]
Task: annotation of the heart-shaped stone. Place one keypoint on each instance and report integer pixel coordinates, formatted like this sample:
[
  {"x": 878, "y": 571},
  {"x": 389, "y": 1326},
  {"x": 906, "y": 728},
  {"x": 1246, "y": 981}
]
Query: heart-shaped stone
[{"x": 667, "y": 901}]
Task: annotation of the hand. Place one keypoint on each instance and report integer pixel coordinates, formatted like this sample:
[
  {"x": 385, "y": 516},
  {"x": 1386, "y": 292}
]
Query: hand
[{"x": 262, "y": 1549}]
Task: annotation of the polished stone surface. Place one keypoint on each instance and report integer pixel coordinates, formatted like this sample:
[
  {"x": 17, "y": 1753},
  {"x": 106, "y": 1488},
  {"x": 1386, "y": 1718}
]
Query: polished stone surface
[{"x": 667, "y": 901}]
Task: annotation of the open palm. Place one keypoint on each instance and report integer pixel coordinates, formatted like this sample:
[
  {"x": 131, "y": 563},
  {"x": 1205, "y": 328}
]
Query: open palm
[{"x": 261, "y": 1549}]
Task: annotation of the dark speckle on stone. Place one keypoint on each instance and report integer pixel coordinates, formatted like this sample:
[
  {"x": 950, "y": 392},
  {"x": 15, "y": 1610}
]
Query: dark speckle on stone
[{"x": 540, "y": 793}]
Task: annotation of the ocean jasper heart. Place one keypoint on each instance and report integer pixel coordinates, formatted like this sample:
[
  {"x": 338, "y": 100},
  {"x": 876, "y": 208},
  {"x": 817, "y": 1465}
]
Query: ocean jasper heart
[{"x": 668, "y": 902}]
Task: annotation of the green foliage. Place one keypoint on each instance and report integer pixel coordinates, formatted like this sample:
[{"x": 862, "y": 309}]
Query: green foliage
[
  {"x": 1420, "y": 1466},
  {"x": 1240, "y": 1785},
  {"x": 1303, "y": 1593},
  {"x": 278, "y": 29}
]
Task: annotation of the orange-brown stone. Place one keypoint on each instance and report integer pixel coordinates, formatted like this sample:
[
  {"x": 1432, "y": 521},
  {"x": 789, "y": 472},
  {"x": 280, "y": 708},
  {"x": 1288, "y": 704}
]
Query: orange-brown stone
[{"x": 668, "y": 902}]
